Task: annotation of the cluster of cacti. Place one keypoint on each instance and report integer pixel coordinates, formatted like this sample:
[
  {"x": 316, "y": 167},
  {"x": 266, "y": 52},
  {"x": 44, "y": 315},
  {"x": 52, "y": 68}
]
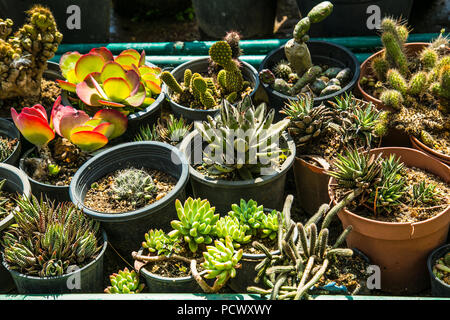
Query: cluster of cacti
[
  {"x": 420, "y": 83},
  {"x": 301, "y": 261},
  {"x": 6, "y": 148},
  {"x": 226, "y": 83},
  {"x": 158, "y": 241},
  {"x": 133, "y": 185},
  {"x": 125, "y": 281},
  {"x": 239, "y": 139},
  {"x": 24, "y": 54},
  {"x": 441, "y": 268},
  {"x": 170, "y": 130},
  {"x": 196, "y": 224},
  {"x": 47, "y": 239}
]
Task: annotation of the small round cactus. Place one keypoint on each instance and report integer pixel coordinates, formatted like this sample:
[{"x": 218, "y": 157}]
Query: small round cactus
[
  {"x": 125, "y": 281},
  {"x": 282, "y": 69},
  {"x": 133, "y": 185},
  {"x": 396, "y": 81},
  {"x": 418, "y": 83},
  {"x": 392, "y": 98}
]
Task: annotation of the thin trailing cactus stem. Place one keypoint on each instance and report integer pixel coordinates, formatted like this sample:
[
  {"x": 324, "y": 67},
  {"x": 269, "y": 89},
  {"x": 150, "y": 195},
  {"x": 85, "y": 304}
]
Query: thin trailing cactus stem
[
  {"x": 318, "y": 215},
  {"x": 276, "y": 288},
  {"x": 339, "y": 206},
  {"x": 311, "y": 282},
  {"x": 342, "y": 237}
]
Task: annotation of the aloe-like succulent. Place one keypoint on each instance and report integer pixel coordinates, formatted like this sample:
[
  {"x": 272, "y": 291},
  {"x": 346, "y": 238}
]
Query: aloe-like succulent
[
  {"x": 47, "y": 239},
  {"x": 196, "y": 224},
  {"x": 425, "y": 193},
  {"x": 125, "y": 281},
  {"x": 230, "y": 226},
  {"x": 242, "y": 140},
  {"x": 158, "y": 241},
  {"x": 3, "y": 200},
  {"x": 133, "y": 185},
  {"x": 172, "y": 130},
  {"x": 221, "y": 261}
]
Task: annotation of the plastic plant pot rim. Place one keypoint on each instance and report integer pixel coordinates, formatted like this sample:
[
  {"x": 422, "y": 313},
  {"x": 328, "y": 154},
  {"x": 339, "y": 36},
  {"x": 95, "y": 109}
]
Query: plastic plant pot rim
[
  {"x": 22, "y": 167},
  {"x": 5, "y": 222},
  {"x": 185, "y": 65},
  {"x": 149, "y": 274},
  {"x": 7, "y": 125},
  {"x": 352, "y": 82},
  {"x": 387, "y": 150},
  {"x": 131, "y": 215},
  {"x": 99, "y": 255},
  {"x": 287, "y": 164},
  {"x": 432, "y": 258}
]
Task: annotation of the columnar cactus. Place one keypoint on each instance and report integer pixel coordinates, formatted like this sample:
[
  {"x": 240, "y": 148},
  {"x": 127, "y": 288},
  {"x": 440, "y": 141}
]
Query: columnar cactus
[
  {"x": 133, "y": 185},
  {"x": 296, "y": 50},
  {"x": 125, "y": 281},
  {"x": 196, "y": 224},
  {"x": 24, "y": 54}
]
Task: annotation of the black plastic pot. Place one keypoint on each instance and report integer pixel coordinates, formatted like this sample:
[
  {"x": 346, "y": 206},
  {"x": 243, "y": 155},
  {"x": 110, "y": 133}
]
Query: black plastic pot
[
  {"x": 126, "y": 230},
  {"x": 350, "y": 17},
  {"x": 16, "y": 181},
  {"x": 216, "y": 17},
  {"x": 159, "y": 284},
  {"x": 322, "y": 52},
  {"x": 267, "y": 190},
  {"x": 438, "y": 287},
  {"x": 8, "y": 129},
  {"x": 90, "y": 278},
  {"x": 52, "y": 192},
  {"x": 200, "y": 65}
]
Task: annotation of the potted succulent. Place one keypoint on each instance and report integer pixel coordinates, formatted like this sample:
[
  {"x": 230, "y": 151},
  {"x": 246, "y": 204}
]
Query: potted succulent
[
  {"x": 302, "y": 262},
  {"x": 10, "y": 145},
  {"x": 399, "y": 210},
  {"x": 240, "y": 152},
  {"x": 411, "y": 81},
  {"x": 53, "y": 161},
  {"x": 98, "y": 80},
  {"x": 12, "y": 182},
  {"x": 439, "y": 270},
  {"x": 131, "y": 187},
  {"x": 53, "y": 248},
  {"x": 323, "y": 131},
  {"x": 323, "y": 69},
  {"x": 168, "y": 262},
  {"x": 124, "y": 282},
  {"x": 196, "y": 88},
  {"x": 27, "y": 77}
]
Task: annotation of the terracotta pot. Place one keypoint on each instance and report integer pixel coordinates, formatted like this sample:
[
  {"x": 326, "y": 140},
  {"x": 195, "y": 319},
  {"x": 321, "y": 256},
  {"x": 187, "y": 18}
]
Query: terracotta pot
[
  {"x": 400, "y": 249},
  {"x": 419, "y": 145},
  {"x": 395, "y": 138},
  {"x": 312, "y": 185}
]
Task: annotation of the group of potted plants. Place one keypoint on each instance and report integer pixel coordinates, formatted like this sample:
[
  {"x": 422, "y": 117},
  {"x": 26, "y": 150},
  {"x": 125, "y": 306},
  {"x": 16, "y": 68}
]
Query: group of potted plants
[{"x": 107, "y": 164}]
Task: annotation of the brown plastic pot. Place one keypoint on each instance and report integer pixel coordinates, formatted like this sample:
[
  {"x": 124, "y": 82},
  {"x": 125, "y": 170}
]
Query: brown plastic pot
[
  {"x": 419, "y": 145},
  {"x": 395, "y": 138},
  {"x": 312, "y": 185},
  {"x": 400, "y": 249}
]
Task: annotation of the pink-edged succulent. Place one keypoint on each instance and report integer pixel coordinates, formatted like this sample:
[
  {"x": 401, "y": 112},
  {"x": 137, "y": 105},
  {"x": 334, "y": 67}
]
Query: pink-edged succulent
[
  {"x": 88, "y": 134},
  {"x": 100, "y": 79}
]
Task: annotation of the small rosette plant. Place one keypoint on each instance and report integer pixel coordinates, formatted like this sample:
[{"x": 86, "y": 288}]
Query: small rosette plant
[
  {"x": 88, "y": 134},
  {"x": 125, "y": 281},
  {"x": 101, "y": 80}
]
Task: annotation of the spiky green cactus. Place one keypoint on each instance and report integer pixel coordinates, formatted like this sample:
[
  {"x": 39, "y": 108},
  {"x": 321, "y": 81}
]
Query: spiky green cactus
[
  {"x": 418, "y": 83},
  {"x": 206, "y": 97},
  {"x": 392, "y": 98},
  {"x": 48, "y": 238},
  {"x": 230, "y": 226},
  {"x": 171, "y": 82},
  {"x": 24, "y": 54},
  {"x": 380, "y": 66},
  {"x": 133, "y": 185},
  {"x": 196, "y": 224},
  {"x": 393, "y": 38},
  {"x": 396, "y": 81},
  {"x": 282, "y": 69},
  {"x": 428, "y": 58},
  {"x": 220, "y": 52},
  {"x": 158, "y": 241},
  {"x": 125, "y": 281}
]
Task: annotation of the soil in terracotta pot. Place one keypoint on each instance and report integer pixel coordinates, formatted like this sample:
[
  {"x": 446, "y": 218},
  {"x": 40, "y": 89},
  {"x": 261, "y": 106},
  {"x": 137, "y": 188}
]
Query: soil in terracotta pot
[
  {"x": 101, "y": 196},
  {"x": 7, "y": 146},
  {"x": 56, "y": 163},
  {"x": 188, "y": 100},
  {"x": 409, "y": 210},
  {"x": 50, "y": 90}
]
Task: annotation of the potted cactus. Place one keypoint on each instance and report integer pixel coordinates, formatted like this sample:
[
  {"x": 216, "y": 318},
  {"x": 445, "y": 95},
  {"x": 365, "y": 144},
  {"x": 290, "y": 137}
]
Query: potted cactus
[
  {"x": 26, "y": 76},
  {"x": 411, "y": 81},
  {"x": 130, "y": 187},
  {"x": 98, "y": 80},
  {"x": 320, "y": 133},
  {"x": 10, "y": 145},
  {"x": 439, "y": 270},
  {"x": 399, "y": 210},
  {"x": 53, "y": 161},
  {"x": 322, "y": 69},
  {"x": 169, "y": 261},
  {"x": 240, "y": 152},
  {"x": 51, "y": 243},
  {"x": 196, "y": 88},
  {"x": 12, "y": 182}
]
